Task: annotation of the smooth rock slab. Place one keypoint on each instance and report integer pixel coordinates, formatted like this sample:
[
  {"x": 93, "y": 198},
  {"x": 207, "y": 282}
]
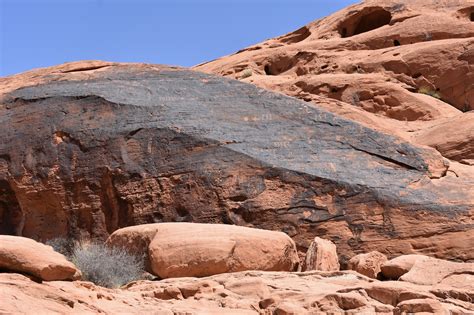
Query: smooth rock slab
[
  {"x": 24, "y": 255},
  {"x": 431, "y": 271},
  {"x": 198, "y": 250},
  {"x": 423, "y": 270}
]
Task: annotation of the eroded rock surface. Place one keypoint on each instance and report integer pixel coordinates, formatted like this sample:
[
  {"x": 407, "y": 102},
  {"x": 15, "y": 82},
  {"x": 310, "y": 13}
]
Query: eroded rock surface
[
  {"x": 402, "y": 67},
  {"x": 94, "y": 147},
  {"x": 321, "y": 255},
  {"x": 368, "y": 264},
  {"x": 250, "y": 292}
]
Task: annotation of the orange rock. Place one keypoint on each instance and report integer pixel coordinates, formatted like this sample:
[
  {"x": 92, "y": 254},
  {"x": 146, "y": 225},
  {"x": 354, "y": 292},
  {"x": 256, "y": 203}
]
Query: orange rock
[
  {"x": 454, "y": 138},
  {"x": 396, "y": 67},
  {"x": 426, "y": 306},
  {"x": 431, "y": 271},
  {"x": 135, "y": 239},
  {"x": 24, "y": 255},
  {"x": 367, "y": 264},
  {"x": 420, "y": 269},
  {"x": 363, "y": 185},
  {"x": 321, "y": 255},
  {"x": 397, "y": 267},
  {"x": 218, "y": 248},
  {"x": 315, "y": 292}
]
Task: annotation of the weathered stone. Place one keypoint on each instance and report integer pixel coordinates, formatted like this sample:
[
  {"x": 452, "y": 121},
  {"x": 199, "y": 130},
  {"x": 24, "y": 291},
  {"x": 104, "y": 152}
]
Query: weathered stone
[
  {"x": 405, "y": 68},
  {"x": 97, "y": 150},
  {"x": 431, "y": 271},
  {"x": 316, "y": 292},
  {"x": 367, "y": 264},
  {"x": 321, "y": 255},
  {"x": 135, "y": 239},
  {"x": 24, "y": 255},
  {"x": 397, "y": 267},
  {"x": 426, "y": 306},
  {"x": 198, "y": 250}
]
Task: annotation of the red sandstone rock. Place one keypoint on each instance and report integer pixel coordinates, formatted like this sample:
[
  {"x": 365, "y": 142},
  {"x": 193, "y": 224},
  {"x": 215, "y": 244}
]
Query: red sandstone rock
[
  {"x": 420, "y": 269},
  {"x": 20, "y": 254},
  {"x": 397, "y": 267},
  {"x": 367, "y": 264},
  {"x": 454, "y": 138},
  {"x": 321, "y": 255},
  {"x": 235, "y": 293},
  {"x": 375, "y": 57},
  {"x": 426, "y": 306},
  {"x": 95, "y": 161},
  {"x": 431, "y": 271},
  {"x": 197, "y": 250},
  {"x": 135, "y": 239}
]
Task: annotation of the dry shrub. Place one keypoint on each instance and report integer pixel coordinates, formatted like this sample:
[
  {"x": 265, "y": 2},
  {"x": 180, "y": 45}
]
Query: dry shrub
[{"x": 109, "y": 267}]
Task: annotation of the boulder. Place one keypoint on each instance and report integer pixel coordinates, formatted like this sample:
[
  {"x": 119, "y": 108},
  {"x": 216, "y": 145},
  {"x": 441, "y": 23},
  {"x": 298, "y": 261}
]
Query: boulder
[
  {"x": 397, "y": 267},
  {"x": 404, "y": 68},
  {"x": 198, "y": 250},
  {"x": 367, "y": 264},
  {"x": 321, "y": 255},
  {"x": 24, "y": 255}
]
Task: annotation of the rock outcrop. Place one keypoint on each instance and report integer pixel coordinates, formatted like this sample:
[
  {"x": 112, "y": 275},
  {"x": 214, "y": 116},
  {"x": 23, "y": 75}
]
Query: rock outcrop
[
  {"x": 24, "y": 255},
  {"x": 250, "y": 292},
  {"x": 420, "y": 269},
  {"x": 403, "y": 67},
  {"x": 94, "y": 147}
]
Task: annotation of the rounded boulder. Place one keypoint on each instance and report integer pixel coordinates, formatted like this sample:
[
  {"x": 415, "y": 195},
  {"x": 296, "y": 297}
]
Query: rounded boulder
[
  {"x": 199, "y": 250},
  {"x": 24, "y": 255}
]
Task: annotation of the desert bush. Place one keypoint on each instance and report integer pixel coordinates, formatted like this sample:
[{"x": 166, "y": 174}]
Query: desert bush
[
  {"x": 426, "y": 90},
  {"x": 246, "y": 73},
  {"x": 62, "y": 245},
  {"x": 107, "y": 266}
]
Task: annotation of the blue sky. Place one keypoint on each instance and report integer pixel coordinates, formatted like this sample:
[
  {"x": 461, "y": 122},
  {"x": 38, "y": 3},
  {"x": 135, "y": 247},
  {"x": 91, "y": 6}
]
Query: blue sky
[{"x": 39, "y": 33}]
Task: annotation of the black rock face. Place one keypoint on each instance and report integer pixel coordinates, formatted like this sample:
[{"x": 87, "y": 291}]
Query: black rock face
[{"x": 132, "y": 145}]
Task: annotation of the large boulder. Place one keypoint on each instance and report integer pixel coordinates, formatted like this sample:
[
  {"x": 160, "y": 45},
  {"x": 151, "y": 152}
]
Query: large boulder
[
  {"x": 94, "y": 147},
  {"x": 321, "y": 255},
  {"x": 24, "y": 255},
  {"x": 198, "y": 250},
  {"x": 368, "y": 264}
]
